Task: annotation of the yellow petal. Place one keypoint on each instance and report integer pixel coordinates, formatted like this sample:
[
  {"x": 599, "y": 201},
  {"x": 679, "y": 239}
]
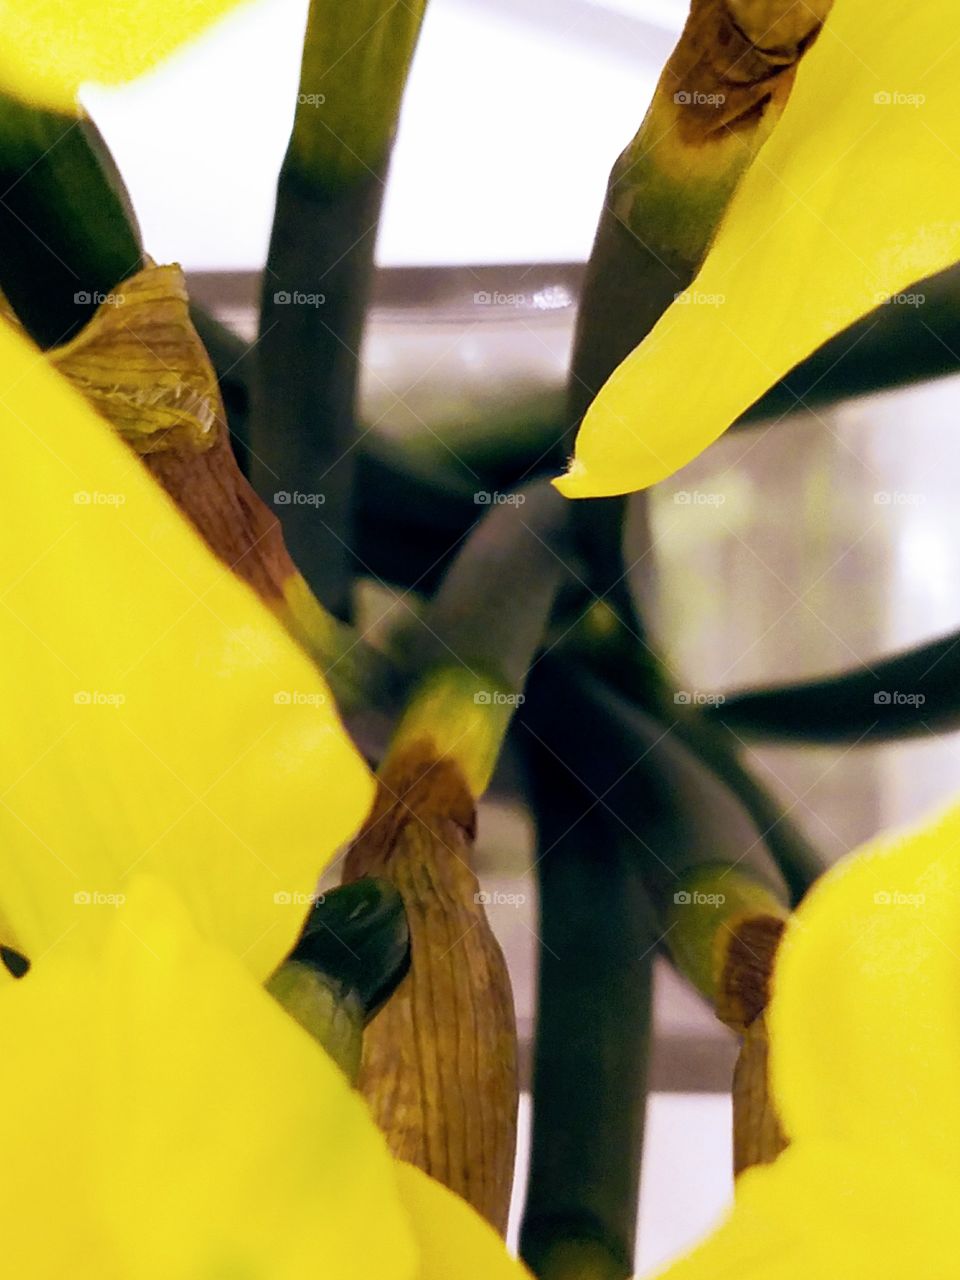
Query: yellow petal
[
  {"x": 164, "y": 1119},
  {"x": 865, "y": 1018},
  {"x": 823, "y": 1211},
  {"x": 156, "y": 716},
  {"x": 854, "y": 196},
  {"x": 48, "y": 50},
  {"x": 455, "y": 1242}
]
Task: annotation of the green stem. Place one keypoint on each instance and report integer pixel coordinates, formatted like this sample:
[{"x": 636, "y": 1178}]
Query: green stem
[
  {"x": 481, "y": 632},
  {"x": 717, "y": 100},
  {"x": 597, "y": 946},
  {"x": 604, "y": 646},
  {"x": 68, "y": 234},
  {"x": 317, "y": 280},
  {"x": 907, "y": 695},
  {"x": 644, "y": 776}
]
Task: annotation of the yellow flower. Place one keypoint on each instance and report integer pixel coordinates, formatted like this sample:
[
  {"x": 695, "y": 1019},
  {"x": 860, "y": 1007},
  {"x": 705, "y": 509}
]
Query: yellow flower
[
  {"x": 865, "y": 1042},
  {"x": 50, "y": 49},
  {"x": 174, "y": 778},
  {"x": 158, "y": 718},
  {"x": 853, "y": 198}
]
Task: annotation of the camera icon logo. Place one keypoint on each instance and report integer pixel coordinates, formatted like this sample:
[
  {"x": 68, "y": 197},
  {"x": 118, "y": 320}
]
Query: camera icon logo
[
  {"x": 482, "y": 298},
  {"x": 882, "y": 698},
  {"x": 83, "y": 298},
  {"x": 283, "y": 898},
  {"x": 281, "y": 298},
  {"x": 82, "y": 898},
  {"x": 281, "y": 499},
  {"x": 482, "y": 698},
  {"x": 681, "y": 697},
  {"x": 682, "y": 898},
  {"x": 282, "y": 698},
  {"x": 682, "y": 98}
]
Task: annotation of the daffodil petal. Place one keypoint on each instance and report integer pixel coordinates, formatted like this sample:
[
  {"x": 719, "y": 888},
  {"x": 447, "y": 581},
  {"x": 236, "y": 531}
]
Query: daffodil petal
[
  {"x": 156, "y": 716},
  {"x": 854, "y": 197},
  {"x": 826, "y": 1210},
  {"x": 48, "y": 50},
  {"x": 165, "y": 1119},
  {"x": 865, "y": 1017},
  {"x": 455, "y": 1242}
]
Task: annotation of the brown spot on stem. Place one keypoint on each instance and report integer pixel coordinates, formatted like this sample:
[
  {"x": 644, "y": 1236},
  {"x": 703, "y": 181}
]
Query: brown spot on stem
[
  {"x": 742, "y": 996},
  {"x": 744, "y": 986},
  {"x": 735, "y": 59}
]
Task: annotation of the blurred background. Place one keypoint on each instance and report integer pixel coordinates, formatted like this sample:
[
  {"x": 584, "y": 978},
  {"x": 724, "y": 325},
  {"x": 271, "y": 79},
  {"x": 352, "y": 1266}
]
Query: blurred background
[{"x": 786, "y": 551}]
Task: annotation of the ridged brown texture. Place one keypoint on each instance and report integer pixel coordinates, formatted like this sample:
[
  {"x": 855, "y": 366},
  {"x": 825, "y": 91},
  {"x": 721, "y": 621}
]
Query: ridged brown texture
[
  {"x": 742, "y": 995},
  {"x": 139, "y": 361},
  {"x": 757, "y": 1136},
  {"x": 141, "y": 364},
  {"x": 440, "y": 1062},
  {"x": 734, "y": 58}
]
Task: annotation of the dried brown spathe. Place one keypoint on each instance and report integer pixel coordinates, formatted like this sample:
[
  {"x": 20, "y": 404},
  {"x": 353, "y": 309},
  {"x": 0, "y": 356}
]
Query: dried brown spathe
[{"x": 440, "y": 1062}]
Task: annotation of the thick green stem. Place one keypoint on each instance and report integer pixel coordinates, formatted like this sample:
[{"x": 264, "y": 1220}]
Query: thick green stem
[
  {"x": 317, "y": 280},
  {"x": 597, "y": 944}
]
